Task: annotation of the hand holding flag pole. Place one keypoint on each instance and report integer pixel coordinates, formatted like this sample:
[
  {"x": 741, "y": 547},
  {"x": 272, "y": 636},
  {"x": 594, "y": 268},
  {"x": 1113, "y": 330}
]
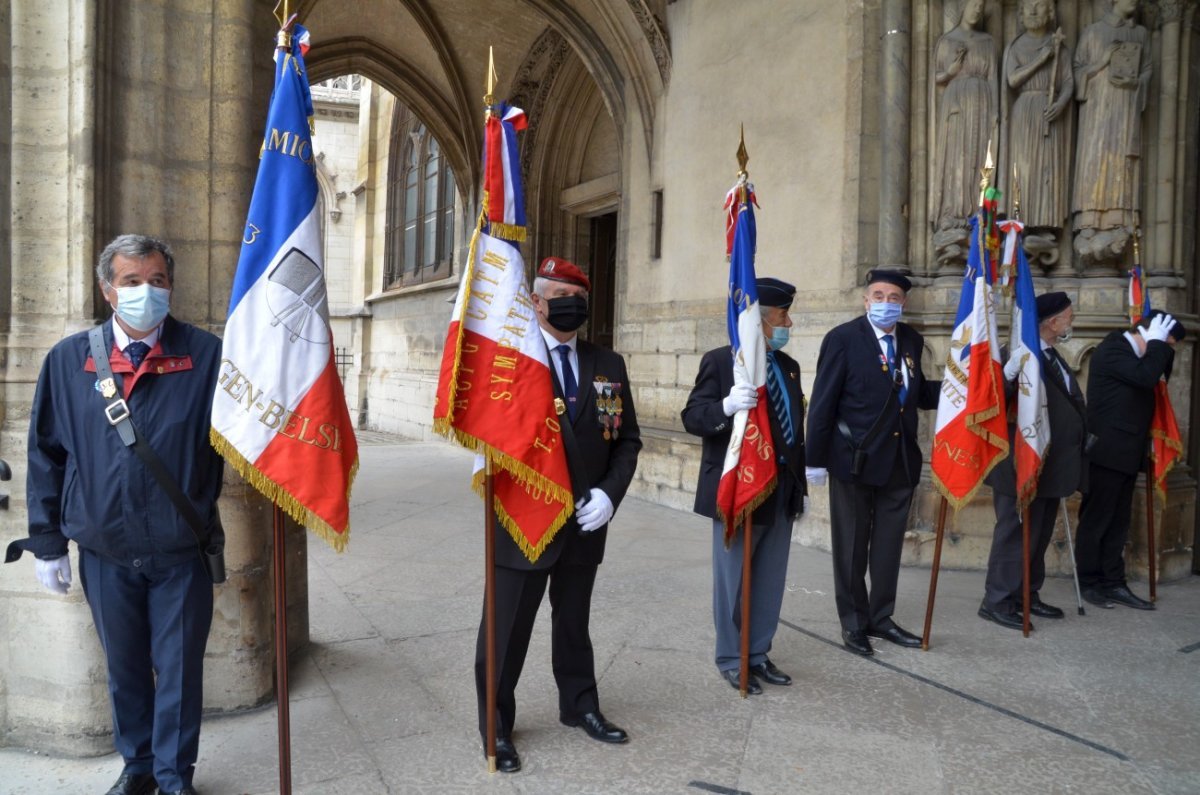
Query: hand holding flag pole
[{"x": 1144, "y": 309}]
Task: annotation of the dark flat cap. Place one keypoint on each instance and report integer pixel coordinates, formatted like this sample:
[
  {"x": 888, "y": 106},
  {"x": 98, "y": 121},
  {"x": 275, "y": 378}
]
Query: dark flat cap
[
  {"x": 1050, "y": 304},
  {"x": 889, "y": 277},
  {"x": 1177, "y": 331},
  {"x": 774, "y": 292}
]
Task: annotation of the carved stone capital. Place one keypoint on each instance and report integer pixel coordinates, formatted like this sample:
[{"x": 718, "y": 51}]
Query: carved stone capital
[{"x": 1171, "y": 10}]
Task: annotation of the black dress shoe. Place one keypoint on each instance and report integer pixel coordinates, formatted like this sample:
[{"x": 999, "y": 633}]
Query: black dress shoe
[
  {"x": 1096, "y": 597},
  {"x": 856, "y": 641},
  {"x": 734, "y": 677},
  {"x": 598, "y": 728},
  {"x": 134, "y": 784},
  {"x": 767, "y": 672},
  {"x": 1039, "y": 608},
  {"x": 896, "y": 634},
  {"x": 507, "y": 758},
  {"x": 1123, "y": 596},
  {"x": 1010, "y": 620},
  {"x": 184, "y": 791}
]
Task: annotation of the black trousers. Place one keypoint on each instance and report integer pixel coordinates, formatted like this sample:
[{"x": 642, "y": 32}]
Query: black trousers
[
  {"x": 518, "y": 596},
  {"x": 868, "y": 534},
  {"x": 1104, "y": 517},
  {"x": 1003, "y": 586}
]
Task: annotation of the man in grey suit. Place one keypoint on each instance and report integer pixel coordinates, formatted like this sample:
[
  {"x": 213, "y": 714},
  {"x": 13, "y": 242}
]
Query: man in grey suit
[{"x": 1064, "y": 472}]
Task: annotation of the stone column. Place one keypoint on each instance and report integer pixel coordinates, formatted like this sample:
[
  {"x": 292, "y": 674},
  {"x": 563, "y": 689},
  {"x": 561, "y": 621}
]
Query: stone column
[
  {"x": 5, "y": 161},
  {"x": 894, "y": 134},
  {"x": 1161, "y": 257}
]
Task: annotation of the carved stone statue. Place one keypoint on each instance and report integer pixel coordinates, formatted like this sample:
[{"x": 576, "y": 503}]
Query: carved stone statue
[
  {"x": 965, "y": 65},
  {"x": 1112, "y": 80},
  {"x": 1037, "y": 65}
]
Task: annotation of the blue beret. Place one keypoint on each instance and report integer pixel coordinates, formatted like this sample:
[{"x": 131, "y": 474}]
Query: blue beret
[
  {"x": 889, "y": 277},
  {"x": 774, "y": 292},
  {"x": 1050, "y": 304}
]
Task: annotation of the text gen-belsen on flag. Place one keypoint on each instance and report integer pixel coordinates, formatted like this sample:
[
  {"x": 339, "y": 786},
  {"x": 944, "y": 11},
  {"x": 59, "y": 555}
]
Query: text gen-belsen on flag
[
  {"x": 279, "y": 411},
  {"x": 495, "y": 393}
]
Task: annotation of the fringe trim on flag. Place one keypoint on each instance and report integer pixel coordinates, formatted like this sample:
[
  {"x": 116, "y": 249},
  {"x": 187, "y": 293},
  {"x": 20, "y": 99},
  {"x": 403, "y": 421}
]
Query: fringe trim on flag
[
  {"x": 511, "y": 232},
  {"x": 1026, "y": 495},
  {"x": 443, "y": 424},
  {"x": 751, "y": 507},
  {"x": 280, "y": 496},
  {"x": 1160, "y": 482}
]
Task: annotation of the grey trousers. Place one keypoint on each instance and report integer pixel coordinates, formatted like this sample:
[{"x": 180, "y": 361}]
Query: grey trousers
[
  {"x": 1003, "y": 586},
  {"x": 769, "y": 548}
]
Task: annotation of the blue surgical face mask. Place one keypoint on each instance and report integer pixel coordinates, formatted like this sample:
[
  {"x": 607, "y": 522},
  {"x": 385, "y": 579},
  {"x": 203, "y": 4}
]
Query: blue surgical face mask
[
  {"x": 142, "y": 307},
  {"x": 883, "y": 314},
  {"x": 779, "y": 337}
]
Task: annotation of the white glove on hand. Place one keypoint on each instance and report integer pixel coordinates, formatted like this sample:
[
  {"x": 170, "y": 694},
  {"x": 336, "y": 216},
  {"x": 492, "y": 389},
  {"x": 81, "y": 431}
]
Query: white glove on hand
[
  {"x": 1160, "y": 328},
  {"x": 818, "y": 476},
  {"x": 54, "y": 575},
  {"x": 1013, "y": 366},
  {"x": 741, "y": 397},
  {"x": 594, "y": 512}
]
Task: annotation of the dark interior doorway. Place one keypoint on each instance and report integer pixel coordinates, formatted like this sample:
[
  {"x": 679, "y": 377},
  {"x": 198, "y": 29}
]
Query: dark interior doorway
[{"x": 602, "y": 269}]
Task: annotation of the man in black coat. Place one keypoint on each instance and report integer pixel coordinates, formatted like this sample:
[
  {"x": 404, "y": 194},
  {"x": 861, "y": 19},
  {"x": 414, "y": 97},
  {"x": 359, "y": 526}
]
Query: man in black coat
[
  {"x": 862, "y": 435},
  {"x": 595, "y": 386},
  {"x": 1125, "y": 369},
  {"x": 713, "y": 402},
  {"x": 1063, "y": 473}
]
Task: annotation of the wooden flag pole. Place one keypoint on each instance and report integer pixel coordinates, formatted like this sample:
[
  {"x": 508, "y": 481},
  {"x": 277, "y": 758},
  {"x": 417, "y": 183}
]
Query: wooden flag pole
[
  {"x": 1025, "y": 572},
  {"x": 281, "y": 660},
  {"x": 744, "y": 681},
  {"x": 933, "y": 572},
  {"x": 489, "y": 609},
  {"x": 1151, "y": 550}
]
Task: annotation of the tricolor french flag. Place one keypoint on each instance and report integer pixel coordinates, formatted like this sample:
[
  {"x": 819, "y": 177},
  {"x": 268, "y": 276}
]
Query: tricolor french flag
[
  {"x": 502, "y": 174},
  {"x": 279, "y": 414},
  {"x": 748, "y": 477}
]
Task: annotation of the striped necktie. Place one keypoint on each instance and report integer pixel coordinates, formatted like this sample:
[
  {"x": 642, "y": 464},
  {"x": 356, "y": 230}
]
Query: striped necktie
[
  {"x": 779, "y": 399},
  {"x": 896, "y": 374}
]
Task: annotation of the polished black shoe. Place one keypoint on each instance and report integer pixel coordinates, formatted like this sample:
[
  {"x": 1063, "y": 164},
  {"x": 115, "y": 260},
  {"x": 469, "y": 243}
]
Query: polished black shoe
[
  {"x": 134, "y": 784},
  {"x": 507, "y": 758},
  {"x": 1123, "y": 596},
  {"x": 856, "y": 641},
  {"x": 734, "y": 677},
  {"x": 1096, "y": 597},
  {"x": 898, "y": 635},
  {"x": 1039, "y": 608},
  {"x": 597, "y": 728},
  {"x": 767, "y": 672},
  {"x": 185, "y": 791},
  {"x": 1010, "y": 620}
]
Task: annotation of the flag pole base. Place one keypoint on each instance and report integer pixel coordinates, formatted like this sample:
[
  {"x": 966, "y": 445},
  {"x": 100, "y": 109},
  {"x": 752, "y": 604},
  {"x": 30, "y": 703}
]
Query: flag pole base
[{"x": 491, "y": 764}]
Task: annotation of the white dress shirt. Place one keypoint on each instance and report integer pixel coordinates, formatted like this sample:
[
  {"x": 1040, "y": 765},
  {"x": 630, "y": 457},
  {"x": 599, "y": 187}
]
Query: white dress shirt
[
  {"x": 556, "y": 358},
  {"x": 122, "y": 339}
]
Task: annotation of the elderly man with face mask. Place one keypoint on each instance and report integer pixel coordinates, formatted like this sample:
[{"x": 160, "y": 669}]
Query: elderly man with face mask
[
  {"x": 862, "y": 439},
  {"x": 594, "y": 386},
  {"x": 1064, "y": 471},
  {"x": 713, "y": 402},
  {"x": 139, "y": 559}
]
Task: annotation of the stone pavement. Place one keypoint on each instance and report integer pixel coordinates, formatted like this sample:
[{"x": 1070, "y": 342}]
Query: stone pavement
[{"x": 383, "y": 700}]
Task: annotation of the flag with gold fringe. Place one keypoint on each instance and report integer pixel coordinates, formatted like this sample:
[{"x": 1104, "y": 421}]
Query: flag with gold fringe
[
  {"x": 279, "y": 414},
  {"x": 495, "y": 393}
]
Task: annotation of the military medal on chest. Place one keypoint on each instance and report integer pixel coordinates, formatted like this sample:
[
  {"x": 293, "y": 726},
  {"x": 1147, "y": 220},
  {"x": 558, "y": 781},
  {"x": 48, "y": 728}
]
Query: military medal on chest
[{"x": 608, "y": 406}]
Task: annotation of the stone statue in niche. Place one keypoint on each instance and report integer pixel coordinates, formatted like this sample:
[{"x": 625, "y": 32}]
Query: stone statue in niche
[
  {"x": 965, "y": 66},
  {"x": 1037, "y": 65},
  {"x": 1112, "y": 81}
]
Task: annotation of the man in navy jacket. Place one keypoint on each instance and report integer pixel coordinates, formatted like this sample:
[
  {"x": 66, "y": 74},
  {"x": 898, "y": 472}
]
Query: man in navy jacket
[
  {"x": 1126, "y": 367},
  {"x": 862, "y": 437},
  {"x": 140, "y": 566}
]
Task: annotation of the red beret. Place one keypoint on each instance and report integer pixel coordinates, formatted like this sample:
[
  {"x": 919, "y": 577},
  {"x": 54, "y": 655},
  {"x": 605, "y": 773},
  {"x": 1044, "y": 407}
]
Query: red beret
[{"x": 559, "y": 270}]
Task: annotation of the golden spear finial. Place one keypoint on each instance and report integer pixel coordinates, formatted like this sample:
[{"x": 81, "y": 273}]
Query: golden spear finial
[
  {"x": 742, "y": 156},
  {"x": 489, "y": 98},
  {"x": 1016, "y": 191},
  {"x": 1137, "y": 236},
  {"x": 284, "y": 38},
  {"x": 985, "y": 173}
]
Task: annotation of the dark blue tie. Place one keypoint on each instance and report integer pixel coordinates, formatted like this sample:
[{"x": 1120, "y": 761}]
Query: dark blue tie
[
  {"x": 570, "y": 387},
  {"x": 897, "y": 376},
  {"x": 136, "y": 351},
  {"x": 779, "y": 400}
]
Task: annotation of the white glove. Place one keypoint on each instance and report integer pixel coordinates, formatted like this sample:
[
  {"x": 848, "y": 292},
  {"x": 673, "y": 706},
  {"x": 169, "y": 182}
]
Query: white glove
[
  {"x": 1160, "y": 327},
  {"x": 818, "y": 476},
  {"x": 1012, "y": 367},
  {"x": 594, "y": 512},
  {"x": 741, "y": 397},
  {"x": 54, "y": 575}
]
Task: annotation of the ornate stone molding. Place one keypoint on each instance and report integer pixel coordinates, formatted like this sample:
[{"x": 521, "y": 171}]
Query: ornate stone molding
[
  {"x": 532, "y": 85},
  {"x": 656, "y": 36},
  {"x": 1171, "y": 10}
]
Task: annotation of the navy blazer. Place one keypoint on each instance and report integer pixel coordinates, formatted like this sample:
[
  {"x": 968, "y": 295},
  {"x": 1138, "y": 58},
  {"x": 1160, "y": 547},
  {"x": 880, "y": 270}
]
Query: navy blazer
[
  {"x": 1121, "y": 400},
  {"x": 853, "y": 386},
  {"x": 608, "y": 464},
  {"x": 704, "y": 416}
]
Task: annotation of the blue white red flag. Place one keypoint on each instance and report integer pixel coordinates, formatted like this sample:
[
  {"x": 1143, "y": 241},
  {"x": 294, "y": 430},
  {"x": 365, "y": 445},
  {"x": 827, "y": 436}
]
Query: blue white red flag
[
  {"x": 495, "y": 393},
  {"x": 1032, "y": 438},
  {"x": 971, "y": 436},
  {"x": 1139, "y": 296},
  {"x": 279, "y": 414},
  {"x": 749, "y": 474}
]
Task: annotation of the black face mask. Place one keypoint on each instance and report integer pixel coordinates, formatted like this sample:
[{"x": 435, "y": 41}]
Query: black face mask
[{"x": 566, "y": 313}]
